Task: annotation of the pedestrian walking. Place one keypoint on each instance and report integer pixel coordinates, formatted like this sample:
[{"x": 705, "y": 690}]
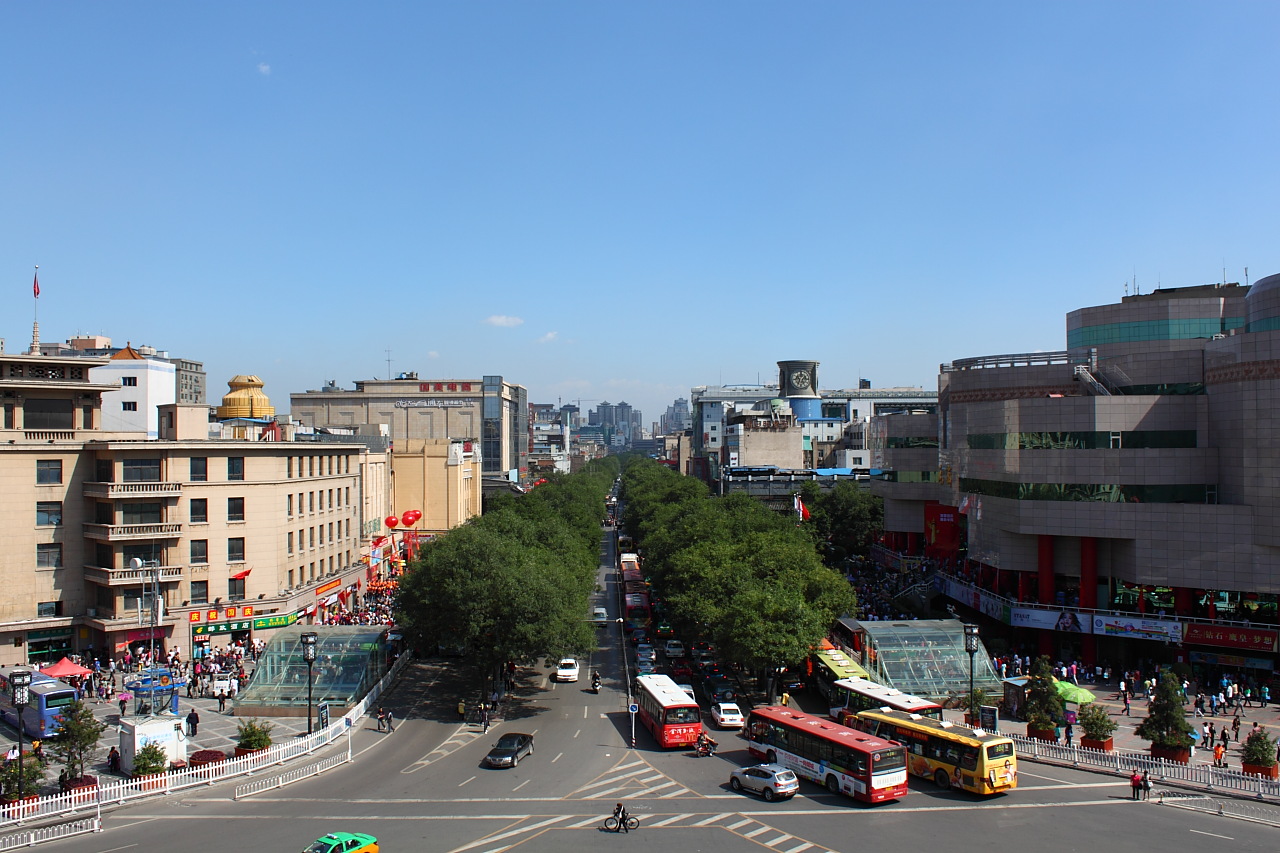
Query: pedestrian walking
[
  {"x": 1135, "y": 785},
  {"x": 124, "y": 703},
  {"x": 1146, "y": 784},
  {"x": 382, "y": 720},
  {"x": 1125, "y": 694},
  {"x": 462, "y": 710},
  {"x": 484, "y": 718},
  {"x": 222, "y": 701},
  {"x": 193, "y": 723},
  {"x": 1218, "y": 753},
  {"x": 1070, "y": 734},
  {"x": 391, "y": 722}
]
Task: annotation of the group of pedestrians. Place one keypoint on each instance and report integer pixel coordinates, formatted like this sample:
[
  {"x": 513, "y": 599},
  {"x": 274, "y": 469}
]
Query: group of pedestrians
[{"x": 1140, "y": 783}]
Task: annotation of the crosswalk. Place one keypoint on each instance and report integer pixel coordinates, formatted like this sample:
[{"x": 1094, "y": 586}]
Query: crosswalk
[
  {"x": 745, "y": 827},
  {"x": 464, "y": 735},
  {"x": 632, "y": 777}
]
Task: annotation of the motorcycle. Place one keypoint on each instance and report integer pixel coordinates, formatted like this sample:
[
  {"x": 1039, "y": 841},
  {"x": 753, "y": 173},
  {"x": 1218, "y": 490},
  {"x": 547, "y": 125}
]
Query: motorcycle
[
  {"x": 595, "y": 685},
  {"x": 705, "y": 749}
]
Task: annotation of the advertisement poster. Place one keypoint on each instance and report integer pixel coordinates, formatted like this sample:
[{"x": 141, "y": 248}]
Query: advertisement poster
[
  {"x": 1251, "y": 639},
  {"x": 1139, "y": 629},
  {"x": 1056, "y": 620}
]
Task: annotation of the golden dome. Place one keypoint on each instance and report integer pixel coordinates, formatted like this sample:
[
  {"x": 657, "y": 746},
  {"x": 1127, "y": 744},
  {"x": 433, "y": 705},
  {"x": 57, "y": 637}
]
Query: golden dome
[{"x": 245, "y": 399}]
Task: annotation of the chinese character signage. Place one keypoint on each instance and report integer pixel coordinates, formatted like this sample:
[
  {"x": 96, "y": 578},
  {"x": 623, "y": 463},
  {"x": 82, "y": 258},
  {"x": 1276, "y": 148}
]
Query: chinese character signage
[
  {"x": 275, "y": 621},
  {"x": 220, "y": 628},
  {"x": 1253, "y": 639},
  {"x": 1138, "y": 629}
]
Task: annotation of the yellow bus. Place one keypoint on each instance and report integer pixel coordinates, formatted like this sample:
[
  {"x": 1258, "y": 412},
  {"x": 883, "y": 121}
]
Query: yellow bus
[{"x": 952, "y": 755}]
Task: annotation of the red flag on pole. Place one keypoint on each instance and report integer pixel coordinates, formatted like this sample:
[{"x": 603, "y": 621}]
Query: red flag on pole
[
  {"x": 801, "y": 509},
  {"x": 36, "y": 286}
]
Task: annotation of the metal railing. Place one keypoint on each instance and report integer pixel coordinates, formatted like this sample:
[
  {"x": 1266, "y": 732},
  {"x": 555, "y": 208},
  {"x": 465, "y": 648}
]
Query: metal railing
[
  {"x": 124, "y": 790},
  {"x": 31, "y": 837},
  {"x": 257, "y": 786},
  {"x": 1203, "y": 776}
]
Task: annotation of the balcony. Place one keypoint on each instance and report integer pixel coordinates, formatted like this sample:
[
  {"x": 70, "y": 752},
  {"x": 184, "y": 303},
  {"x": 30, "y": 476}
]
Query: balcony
[
  {"x": 110, "y": 491},
  {"x": 131, "y": 577},
  {"x": 133, "y": 532}
]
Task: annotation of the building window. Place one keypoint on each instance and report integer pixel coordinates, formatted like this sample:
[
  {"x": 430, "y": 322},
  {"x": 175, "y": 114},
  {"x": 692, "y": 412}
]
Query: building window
[
  {"x": 129, "y": 381},
  {"x": 235, "y": 550},
  {"x": 199, "y": 510},
  {"x": 331, "y": 532},
  {"x": 129, "y": 406},
  {"x": 199, "y": 552},
  {"x": 46, "y": 609},
  {"x": 288, "y": 467},
  {"x": 331, "y": 499},
  {"x": 199, "y": 592},
  {"x": 290, "y": 535},
  {"x": 48, "y": 471},
  {"x": 199, "y": 469},
  {"x": 311, "y": 537},
  {"x": 235, "y": 467},
  {"x": 289, "y": 504},
  {"x": 48, "y": 513},
  {"x": 235, "y": 589},
  {"x": 49, "y": 556},
  {"x": 142, "y": 513},
  {"x": 311, "y": 466},
  {"x": 311, "y": 501},
  {"x": 235, "y": 509},
  {"x": 141, "y": 470}
]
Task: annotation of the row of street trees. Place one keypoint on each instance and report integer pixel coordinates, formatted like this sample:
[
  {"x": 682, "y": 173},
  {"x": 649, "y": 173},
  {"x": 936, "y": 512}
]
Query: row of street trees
[
  {"x": 731, "y": 570},
  {"x": 514, "y": 583}
]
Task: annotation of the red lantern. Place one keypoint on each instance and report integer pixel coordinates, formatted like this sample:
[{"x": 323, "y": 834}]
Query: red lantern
[
  {"x": 410, "y": 518},
  {"x": 391, "y": 521}
]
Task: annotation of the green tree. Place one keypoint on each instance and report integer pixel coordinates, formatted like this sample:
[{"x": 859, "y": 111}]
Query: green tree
[
  {"x": 1260, "y": 748},
  {"x": 1045, "y": 708},
  {"x": 77, "y": 738},
  {"x": 16, "y": 784},
  {"x": 1166, "y": 725},
  {"x": 843, "y": 521},
  {"x": 150, "y": 759}
]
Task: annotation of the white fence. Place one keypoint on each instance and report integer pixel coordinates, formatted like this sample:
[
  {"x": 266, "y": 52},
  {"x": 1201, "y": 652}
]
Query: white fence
[
  {"x": 29, "y": 837},
  {"x": 257, "y": 786},
  {"x": 1204, "y": 776},
  {"x": 124, "y": 790}
]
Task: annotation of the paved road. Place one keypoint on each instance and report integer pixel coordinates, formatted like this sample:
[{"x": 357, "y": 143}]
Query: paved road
[{"x": 423, "y": 788}]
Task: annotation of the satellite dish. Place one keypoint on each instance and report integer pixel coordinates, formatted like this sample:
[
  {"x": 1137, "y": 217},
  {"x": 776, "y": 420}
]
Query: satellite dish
[{"x": 135, "y": 563}]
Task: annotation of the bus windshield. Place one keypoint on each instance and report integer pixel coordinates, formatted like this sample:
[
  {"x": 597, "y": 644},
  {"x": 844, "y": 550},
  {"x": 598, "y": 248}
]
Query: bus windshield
[{"x": 683, "y": 715}]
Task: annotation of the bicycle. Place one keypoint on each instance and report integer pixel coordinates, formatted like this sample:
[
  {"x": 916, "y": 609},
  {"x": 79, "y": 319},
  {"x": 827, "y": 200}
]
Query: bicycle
[{"x": 611, "y": 824}]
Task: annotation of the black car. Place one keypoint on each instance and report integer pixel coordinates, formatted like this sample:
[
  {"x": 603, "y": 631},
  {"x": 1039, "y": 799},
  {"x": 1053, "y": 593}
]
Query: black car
[{"x": 509, "y": 749}]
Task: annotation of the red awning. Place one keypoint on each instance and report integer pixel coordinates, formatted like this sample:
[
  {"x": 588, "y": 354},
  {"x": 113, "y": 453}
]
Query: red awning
[{"x": 239, "y": 576}]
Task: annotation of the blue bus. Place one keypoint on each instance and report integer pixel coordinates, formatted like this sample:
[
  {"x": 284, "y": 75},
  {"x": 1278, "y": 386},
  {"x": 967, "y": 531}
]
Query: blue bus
[{"x": 48, "y": 696}]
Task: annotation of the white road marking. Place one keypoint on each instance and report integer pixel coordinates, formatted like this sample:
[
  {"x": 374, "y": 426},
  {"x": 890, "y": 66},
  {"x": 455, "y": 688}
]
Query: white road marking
[
  {"x": 557, "y": 758},
  {"x": 521, "y": 785},
  {"x": 584, "y": 714},
  {"x": 472, "y": 779},
  {"x": 114, "y": 849},
  {"x": 1214, "y": 834},
  {"x": 509, "y": 833},
  {"x": 781, "y": 838},
  {"x": 586, "y": 821},
  {"x": 798, "y": 848},
  {"x": 734, "y": 826},
  {"x": 578, "y": 732},
  {"x": 1036, "y": 776},
  {"x": 668, "y": 820},
  {"x": 753, "y": 833},
  {"x": 708, "y": 820}
]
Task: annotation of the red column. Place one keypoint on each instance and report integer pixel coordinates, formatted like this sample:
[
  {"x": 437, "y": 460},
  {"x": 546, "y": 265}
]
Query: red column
[
  {"x": 1024, "y": 586},
  {"x": 1183, "y": 597},
  {"x": 1044, "y": 568},
  {"x": 913, "y": 543},
  {"x": 1088, "y": 572}
]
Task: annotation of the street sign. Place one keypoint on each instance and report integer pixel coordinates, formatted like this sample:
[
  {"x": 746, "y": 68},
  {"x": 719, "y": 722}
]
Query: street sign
[
  {"x": 634, "y": 708},
  {"x": 322, "y": 710}
]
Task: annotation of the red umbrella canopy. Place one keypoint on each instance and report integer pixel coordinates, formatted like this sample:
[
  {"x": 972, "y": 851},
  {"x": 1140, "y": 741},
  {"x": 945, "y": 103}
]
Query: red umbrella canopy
[{"x": 66, "y": 667}]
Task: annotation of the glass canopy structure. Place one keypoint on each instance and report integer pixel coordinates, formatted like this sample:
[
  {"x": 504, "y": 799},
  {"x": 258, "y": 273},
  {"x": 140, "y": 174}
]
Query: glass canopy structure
[
  {"x": 350, "y": 659},
  {"x": 924, "y": 657}
]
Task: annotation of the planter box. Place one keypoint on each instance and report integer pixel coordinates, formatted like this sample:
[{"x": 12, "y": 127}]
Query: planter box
[
  {"x": 1271, "y": 772},
  {"x": 241, "y": 751},
  {"x": 21, "y": 808},
  {"x": 205, "y": 757},
  {"x": 84, "y": 790},
  {"x": 1104, "y": 745},
  {"x": 1042, "y": 734},
  {"x": 150, "y": 782},
  {"x": 1172, "y": 753}
]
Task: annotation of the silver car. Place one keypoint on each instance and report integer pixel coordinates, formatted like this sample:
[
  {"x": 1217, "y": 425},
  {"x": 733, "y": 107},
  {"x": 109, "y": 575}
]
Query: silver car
[{"x": 771, "y": 781}]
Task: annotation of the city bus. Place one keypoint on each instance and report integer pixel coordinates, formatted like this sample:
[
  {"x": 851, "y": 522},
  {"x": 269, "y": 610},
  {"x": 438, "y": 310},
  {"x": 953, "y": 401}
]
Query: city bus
[
  {"x": 952, "y": 755},
  {"x": 844, "y": 760},
  {"x": 667, "y": 711},
  {"x": 637, "y": 610},
  {"x": 859, "y": 694},
  {"x": 47, "y": 697},
  {"x": 830, "y": 666}
]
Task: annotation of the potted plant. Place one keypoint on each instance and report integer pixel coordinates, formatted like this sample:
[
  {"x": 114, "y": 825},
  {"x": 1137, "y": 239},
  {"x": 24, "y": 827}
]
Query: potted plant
[
  {"x": 253, "y": 735},
  {"x": 151, "y": 761},
  {"x": 75, "y": 743},
  {"x": 1166, "y": 726},
  {"x": 1096, "y": 726},
  {"x": 203, "y": 757},
  {"x": 1044, "y": 709},
  {"x": 17, "y": 788},
  {"x": 1259, "y": 757}
]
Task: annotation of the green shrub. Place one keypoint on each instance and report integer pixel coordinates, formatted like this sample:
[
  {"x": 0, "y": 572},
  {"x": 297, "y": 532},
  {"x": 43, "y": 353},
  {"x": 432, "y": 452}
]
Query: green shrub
[{"x": 150, "y": 759}]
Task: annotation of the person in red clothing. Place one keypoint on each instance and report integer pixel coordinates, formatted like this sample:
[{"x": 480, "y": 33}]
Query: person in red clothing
[{"x": 1135, "y": 783}]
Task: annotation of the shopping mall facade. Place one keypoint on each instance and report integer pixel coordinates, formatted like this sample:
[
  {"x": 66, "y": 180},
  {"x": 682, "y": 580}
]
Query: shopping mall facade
[{"x": 1114, "y": 501}]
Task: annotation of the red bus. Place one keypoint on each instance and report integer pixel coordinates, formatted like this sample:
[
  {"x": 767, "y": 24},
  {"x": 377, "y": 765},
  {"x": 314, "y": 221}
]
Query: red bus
[
  {"x": 859, "y": 694},
  {"x": 844, "y": 760},
  {"x": 667, "y": 711}
]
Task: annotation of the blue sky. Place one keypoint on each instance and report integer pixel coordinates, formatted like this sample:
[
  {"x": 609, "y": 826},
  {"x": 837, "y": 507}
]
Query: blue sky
[{"x": 619, "y": 201}]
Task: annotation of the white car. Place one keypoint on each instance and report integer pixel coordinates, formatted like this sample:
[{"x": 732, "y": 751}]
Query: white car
[
  {"x": 645, "y": 652},
  {"x": 727, "y": 715},
  {"x": 688, "y": 688},
  {"x": 567, "y": 670},
  {"x": 674, "y": 649}
]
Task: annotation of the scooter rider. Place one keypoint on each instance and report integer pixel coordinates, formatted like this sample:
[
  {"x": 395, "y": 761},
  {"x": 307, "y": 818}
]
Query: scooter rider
[{"x": 595, "y": 681}]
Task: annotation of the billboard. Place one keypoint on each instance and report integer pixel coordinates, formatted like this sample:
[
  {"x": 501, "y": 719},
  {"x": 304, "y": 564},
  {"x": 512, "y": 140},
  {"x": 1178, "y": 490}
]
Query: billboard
[
  {"x": 1139, "y": 629},
  {"x": 1053, "y": 620}
]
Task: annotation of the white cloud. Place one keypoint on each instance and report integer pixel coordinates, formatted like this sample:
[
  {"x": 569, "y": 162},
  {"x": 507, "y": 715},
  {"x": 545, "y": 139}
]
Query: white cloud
[
  {"x": 433, "y": 354},
  {"x": 264, "y": 69},
  {"x": 504, "y": 321},
  {"x": 548, "y": 337}
]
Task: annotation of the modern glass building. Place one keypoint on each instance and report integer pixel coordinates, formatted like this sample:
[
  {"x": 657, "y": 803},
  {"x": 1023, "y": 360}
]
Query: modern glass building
[
  {"x": 350, "y": 659},
  {"x": 924, "y": 657}
]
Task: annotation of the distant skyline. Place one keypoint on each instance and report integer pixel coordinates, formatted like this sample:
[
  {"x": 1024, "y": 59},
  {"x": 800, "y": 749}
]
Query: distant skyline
[{"x": 620, "y": 201}]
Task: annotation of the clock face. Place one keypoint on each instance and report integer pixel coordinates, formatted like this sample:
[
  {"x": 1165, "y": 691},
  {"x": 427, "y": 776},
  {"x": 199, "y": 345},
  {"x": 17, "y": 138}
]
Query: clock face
[{"x": 800, "y": 378}]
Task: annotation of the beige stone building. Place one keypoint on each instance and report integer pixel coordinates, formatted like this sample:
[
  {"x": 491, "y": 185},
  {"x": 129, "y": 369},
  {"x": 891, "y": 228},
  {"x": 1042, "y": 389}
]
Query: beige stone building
[
  {"x": 236, "y": 536},
  {"x": 438, "y": 477}
]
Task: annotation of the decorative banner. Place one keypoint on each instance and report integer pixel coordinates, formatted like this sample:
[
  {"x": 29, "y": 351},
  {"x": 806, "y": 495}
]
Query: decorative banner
[
  {"x": 941, "y": 530},
  {"x": 325, "y": 587},
  {"x": 220, "y": 628},
  {"x": 1138, "y": 629},
  {"x": 1054, "y": 620},
  {"x": 1251, "y": 639}
]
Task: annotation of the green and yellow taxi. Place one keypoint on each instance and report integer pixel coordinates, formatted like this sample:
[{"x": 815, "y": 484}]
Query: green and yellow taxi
[{"x": 343, "y": 842}]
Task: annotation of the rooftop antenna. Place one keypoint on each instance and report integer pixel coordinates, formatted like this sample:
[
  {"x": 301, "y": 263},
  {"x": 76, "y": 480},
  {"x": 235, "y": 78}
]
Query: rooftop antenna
[
  {"x": 1126, "y": 287},
  {"x": 1246, "y": 276},
  {"x": 388, "y": 364}
]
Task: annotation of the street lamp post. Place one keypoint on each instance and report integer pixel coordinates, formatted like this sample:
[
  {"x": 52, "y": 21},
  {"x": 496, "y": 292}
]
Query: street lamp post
[
  {"x": 971, "y": 646},
  {"x": 309, "y": 655},
  {"x": 20, "y": 681}
]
